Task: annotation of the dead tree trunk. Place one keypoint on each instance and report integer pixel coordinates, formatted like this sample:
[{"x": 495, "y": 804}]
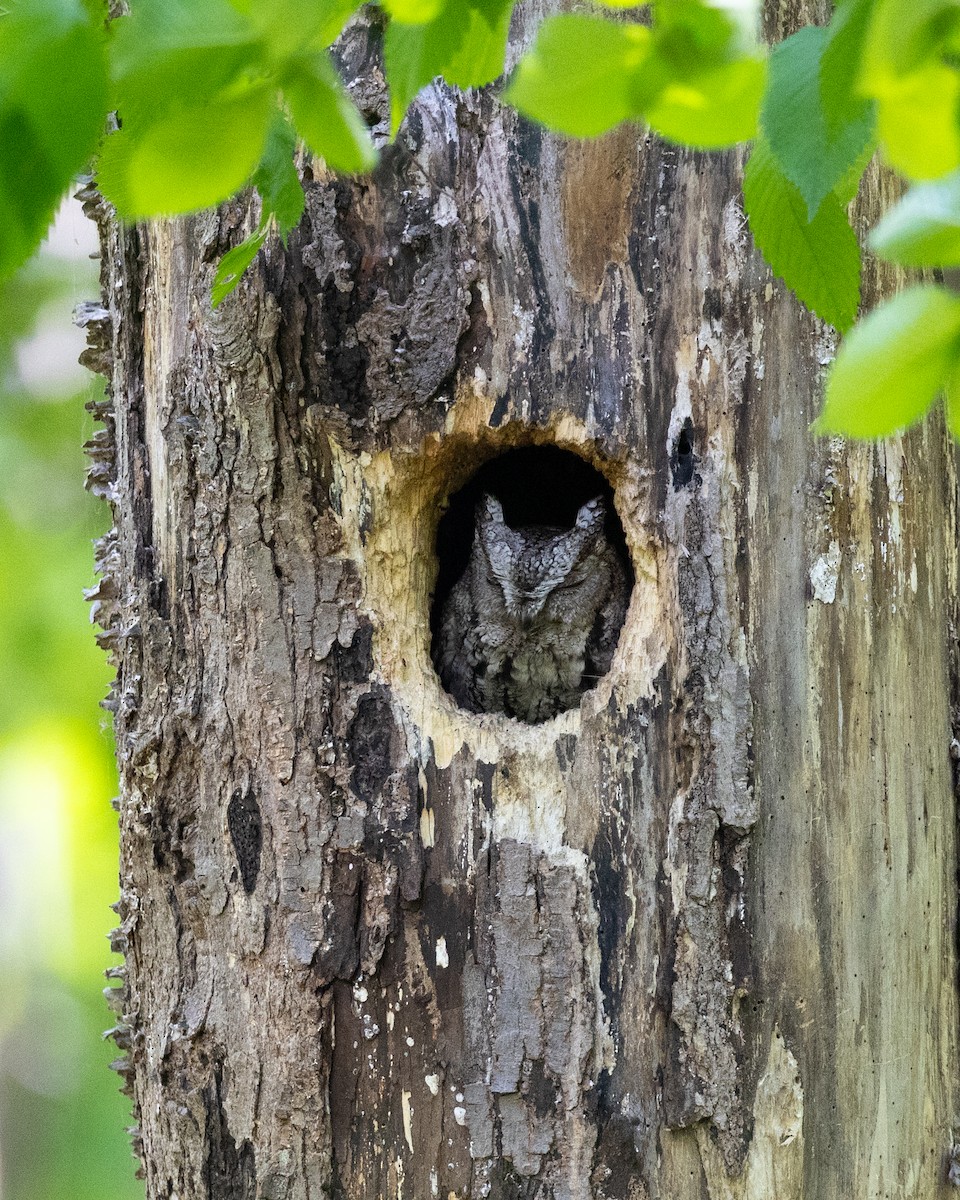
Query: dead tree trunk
[{"x": 693, "y": 939}]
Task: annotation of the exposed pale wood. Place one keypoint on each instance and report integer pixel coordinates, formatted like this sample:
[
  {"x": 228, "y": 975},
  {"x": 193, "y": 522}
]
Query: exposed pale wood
[{"x": 693, "y": 940}]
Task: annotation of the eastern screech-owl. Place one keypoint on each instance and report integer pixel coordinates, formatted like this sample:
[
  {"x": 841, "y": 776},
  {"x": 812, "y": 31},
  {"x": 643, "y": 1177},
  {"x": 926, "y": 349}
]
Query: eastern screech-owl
[{"x": 534, "y": 619}]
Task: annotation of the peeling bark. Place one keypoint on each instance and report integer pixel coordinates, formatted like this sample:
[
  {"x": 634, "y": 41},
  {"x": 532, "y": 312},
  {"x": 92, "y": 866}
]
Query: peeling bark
[{"x": 694, "y": 939}]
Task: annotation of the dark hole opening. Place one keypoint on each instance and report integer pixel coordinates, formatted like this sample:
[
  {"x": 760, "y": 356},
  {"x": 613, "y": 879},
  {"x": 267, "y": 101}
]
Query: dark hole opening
[
  {"x": 683, "y": 461},
  {"x": 536, "y": 486}
]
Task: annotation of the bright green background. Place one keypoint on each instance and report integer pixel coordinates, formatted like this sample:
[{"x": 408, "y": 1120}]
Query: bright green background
[{"x": 62, "y": 1119}]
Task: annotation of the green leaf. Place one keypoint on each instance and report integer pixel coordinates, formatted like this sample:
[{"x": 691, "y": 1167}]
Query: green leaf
[
  {"x": 704, "y": 78},
  {"x": 187, "y": 159},
  {"x": 289, "y": 27},
  {"x": 30, "y": 188},
  {"x": 889, "y": 370},
  {"x": 719, "y": 108},
  {"x": 479, "y": 59},
  {"x": 416, "y": 54},
  {"x": 413, "y": 12},
  {"x": 578, "y": 77},
  {"x": 696, "y": 76},
  {"x": 698, "y": 35},
  {"x": 170, "y": 54},
  {"x": 909, "y": 65},
  {"x": 813, "y": 122},
  {"x": 334, "y": 16},
  {"x": 818, "y": 259},
  {"x": 952, "y": 397},
  {"x": 154, "y": 29},
  {"x": 904, "y": 38},
  {"x": 848, "y": 187},
  {"x": 923, "y": 230},
  {"x": 917, "y": 122},
  {"x": 325, "y": 116},
  {"x": 53, "y": 103},
  {"x": 194, "y": 104},
  {"x": 841, "y": 64},
  {"x": 278, "y": 183},
  {"x": 233, "y": 264},
  {"x": 742, "y": 16},
  {"x": 465, "y": 43},
  {"x": 276, "y": 177}
]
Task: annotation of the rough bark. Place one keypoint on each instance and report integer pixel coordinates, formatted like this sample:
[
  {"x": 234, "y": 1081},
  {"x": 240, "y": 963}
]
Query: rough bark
[{"x": 696, "y": 938}]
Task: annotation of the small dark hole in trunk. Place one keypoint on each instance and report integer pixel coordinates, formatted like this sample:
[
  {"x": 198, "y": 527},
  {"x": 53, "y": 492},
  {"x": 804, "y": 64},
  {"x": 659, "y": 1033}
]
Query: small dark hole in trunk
[{"x": 683, "y": 461}]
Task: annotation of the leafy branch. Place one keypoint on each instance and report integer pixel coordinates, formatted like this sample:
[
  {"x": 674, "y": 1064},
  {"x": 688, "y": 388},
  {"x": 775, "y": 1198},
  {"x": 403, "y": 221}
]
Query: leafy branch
[{"x": 211, "y": 96}]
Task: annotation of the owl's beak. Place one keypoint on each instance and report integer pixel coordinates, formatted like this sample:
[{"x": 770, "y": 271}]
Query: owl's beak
[{"x": 529, "y": 611}]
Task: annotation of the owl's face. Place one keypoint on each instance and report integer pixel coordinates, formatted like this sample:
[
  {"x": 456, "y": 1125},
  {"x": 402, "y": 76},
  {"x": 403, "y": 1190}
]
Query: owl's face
[{"x": 536, "y": 566}]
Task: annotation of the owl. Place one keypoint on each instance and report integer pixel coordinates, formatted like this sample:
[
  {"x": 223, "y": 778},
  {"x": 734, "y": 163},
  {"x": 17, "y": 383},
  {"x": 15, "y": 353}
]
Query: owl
[{"x": 533, "y": 621}]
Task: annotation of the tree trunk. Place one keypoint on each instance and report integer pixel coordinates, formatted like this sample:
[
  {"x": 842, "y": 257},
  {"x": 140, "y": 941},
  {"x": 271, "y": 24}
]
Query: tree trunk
[{"x": 693, "y": 939}]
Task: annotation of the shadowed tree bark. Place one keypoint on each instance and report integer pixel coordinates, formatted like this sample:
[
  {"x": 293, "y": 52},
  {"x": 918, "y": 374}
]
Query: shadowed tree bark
[{"x": 692, "y": 939}]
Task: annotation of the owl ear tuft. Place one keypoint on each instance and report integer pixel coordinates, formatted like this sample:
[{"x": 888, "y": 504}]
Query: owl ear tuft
[
  {"x": 489, "y": 510},
  {"x": 592, "y": 515}
]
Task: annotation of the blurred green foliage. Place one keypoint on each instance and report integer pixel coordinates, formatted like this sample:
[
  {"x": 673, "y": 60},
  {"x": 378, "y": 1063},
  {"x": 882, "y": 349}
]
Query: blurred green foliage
[{"x": 62, "y": 1118}]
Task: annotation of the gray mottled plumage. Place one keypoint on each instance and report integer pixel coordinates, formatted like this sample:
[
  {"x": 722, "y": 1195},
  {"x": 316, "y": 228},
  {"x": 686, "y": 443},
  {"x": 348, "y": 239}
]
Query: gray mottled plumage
[{"x": 534, "y": 619}]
